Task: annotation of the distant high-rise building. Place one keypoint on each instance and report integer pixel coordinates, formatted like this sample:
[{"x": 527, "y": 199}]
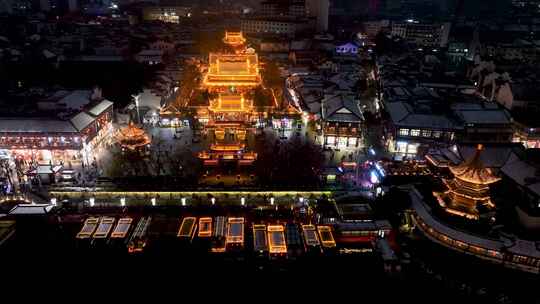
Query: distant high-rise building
[
  {"x": 319, "y": 9},
  {"x": 72, "y": 5},
  {"x": 44, "y": 5},
  {"x": 283, "y": 8},
  {"x": 423, "y": 34},
  {"x": 6, "y": 6}
]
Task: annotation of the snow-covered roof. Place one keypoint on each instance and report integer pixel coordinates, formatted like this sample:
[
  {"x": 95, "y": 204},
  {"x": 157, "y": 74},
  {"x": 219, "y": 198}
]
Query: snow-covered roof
[
  {"x": 485, "y": 116},
  {"x": 403, "y": 115},
  {"x": 81, "y": 120},
  {"x": 31, "y": 209},
  {"x": 100, "y": 107},
  {"x": 341, "y": 107},
  {"x": 26, "y": 125},
  {"x": 76, "y": 100},
  {"x": 513, "y": 245},
  {"x": 520, "y": 172}
]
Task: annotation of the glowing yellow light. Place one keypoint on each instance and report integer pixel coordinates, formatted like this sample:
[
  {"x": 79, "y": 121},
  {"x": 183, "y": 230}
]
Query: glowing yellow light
[
  {"x": 122, "y": 228},
  {"x": 187, "y": 228},
  {"x": 205, "y": 227},
  {"x": 276, "y": 239},
  {"x": 88, "y": 228},
  {"x": 325, "y": 234}
]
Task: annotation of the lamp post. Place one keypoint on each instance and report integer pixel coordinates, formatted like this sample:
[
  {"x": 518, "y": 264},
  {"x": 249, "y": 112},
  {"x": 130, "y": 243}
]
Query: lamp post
[{"x": 136, "y": 98}]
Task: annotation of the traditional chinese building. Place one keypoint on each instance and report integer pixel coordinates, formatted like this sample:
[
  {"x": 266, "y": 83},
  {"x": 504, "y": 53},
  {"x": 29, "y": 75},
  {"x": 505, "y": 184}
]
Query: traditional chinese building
[
  {"x": 230, "y": 80},
  {"x": 132, "y": 139},
  {"x": 468, "y": 192},
  {"x": 67, "y": 125}
]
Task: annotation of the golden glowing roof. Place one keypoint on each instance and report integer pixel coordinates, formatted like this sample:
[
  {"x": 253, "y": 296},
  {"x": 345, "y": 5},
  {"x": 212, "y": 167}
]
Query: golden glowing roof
[
  {"x": 473, "y": 170},
  {"x": 230, "y": 102},
  {"x": 233, "y": 70},
  {"x": 226, "y": 147},
  {"x": 234, "y": 39},
  {"x": 132, "y": 137}
]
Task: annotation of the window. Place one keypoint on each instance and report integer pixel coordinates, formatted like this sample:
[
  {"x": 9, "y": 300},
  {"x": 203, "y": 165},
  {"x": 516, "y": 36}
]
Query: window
[
  {"x": 426, "y": 133},
  {"x": 415, "y": 132},
  {"x": 401, "y": 147},
  {"x": 404, "y": 132},
  {"x": 330, "y": 140},
  {"x": 342, "y": 142},
  {"x": 437, "y": 134},
  {"x": 412, "y": 148}
]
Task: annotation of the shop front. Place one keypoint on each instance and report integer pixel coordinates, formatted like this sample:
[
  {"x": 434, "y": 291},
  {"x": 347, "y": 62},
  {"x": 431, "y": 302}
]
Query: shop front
[{"x": 341, "y": 142}]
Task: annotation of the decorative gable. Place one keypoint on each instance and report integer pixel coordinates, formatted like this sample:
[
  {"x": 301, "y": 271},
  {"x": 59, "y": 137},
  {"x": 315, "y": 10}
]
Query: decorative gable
[{"x": 343, "y": 111}]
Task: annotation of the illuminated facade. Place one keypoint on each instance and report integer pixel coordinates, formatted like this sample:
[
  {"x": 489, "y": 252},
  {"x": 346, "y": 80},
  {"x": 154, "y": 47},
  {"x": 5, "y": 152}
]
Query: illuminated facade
[
  {"x": 54, "y": 139},
  {"x": 132, "y": 138},
  {"x": 230, "y": 80},
  {"x": 469, "y": 189}
]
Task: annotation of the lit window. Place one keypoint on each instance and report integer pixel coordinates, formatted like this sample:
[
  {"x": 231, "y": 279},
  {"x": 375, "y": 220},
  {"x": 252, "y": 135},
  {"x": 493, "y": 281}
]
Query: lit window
[
  {"x": 426, "y": 133},
  {"x": 404, "y": 132},
  {"x": 401, "y": 147},
  {"x": 415, "y": 132},
  {"x": 437, "y": 134},
  {"x": 412, "y": 148}
]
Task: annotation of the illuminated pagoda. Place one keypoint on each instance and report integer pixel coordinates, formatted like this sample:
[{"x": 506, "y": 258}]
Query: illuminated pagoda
[
  {"x": 132, "y": 138},
  {"x": 234, "y": 39},
  {"x": 469, "y": 189},
  {"x": 230, "y": 78}
]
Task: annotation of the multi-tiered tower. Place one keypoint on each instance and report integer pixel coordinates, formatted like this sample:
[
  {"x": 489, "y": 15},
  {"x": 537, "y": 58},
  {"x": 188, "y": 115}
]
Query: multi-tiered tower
[
  {"x": 469, "y": 189},
  {"x": 230, "y": 80}
]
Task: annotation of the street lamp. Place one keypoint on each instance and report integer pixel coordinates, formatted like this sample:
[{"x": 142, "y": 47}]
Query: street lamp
[
  {"x": 92, "y": 202},
  {"x": 153, "y": 200},
  {"x": 123, "y": 201},
  {"x": 272, "y": 201},
  {"x": 183, "y": 201},
  {"x": 243, "y": 201},
  {"x": 213, "y": 199},
  {"x": 136, "y": 97}
]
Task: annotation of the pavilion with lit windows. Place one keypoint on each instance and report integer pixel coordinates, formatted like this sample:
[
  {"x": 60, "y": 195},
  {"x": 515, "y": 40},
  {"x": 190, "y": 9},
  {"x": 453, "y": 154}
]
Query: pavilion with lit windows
[
  {"x": 469, "y": 189},
  {"x": 230, "y": 79},
  {"x": 133, "y": 139}
]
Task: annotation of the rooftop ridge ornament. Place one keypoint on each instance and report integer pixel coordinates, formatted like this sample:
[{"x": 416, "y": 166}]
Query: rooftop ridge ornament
[
  {"x": 473, "y": 170},
  {"x": 234, "y": 39},
  {"x": 469, "y": 188},
  {"x": 132, "y": 137}
]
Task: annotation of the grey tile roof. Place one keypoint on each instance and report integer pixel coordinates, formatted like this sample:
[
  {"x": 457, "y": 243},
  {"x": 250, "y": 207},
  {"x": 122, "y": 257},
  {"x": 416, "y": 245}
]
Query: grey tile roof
[
  {"x": 26, "y": 125},
  {"x": 100, "y": 107},
  {"x": 81, "y": 120},
  {"x": 341, "y": 106}
]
